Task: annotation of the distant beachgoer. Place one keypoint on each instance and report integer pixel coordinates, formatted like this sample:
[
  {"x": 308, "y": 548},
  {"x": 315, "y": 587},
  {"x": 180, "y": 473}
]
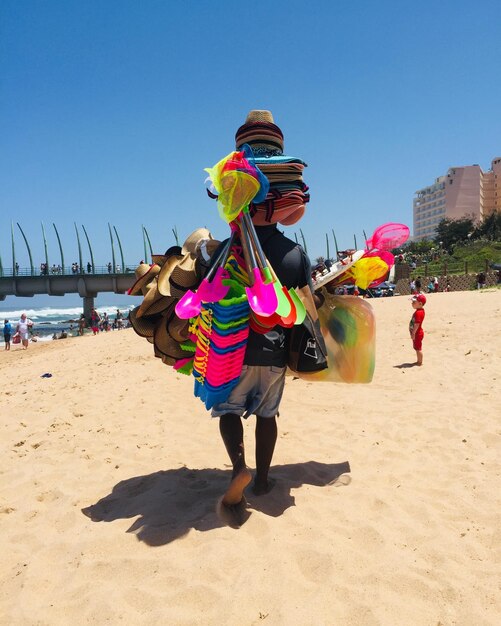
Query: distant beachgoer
[
  {"x": 435, "y": 284},
  {"x": 106, "y": 322},
  {"x": 95, "y": 318},
  {"x": 119, "y": 319},
  {"x": 480, "y": 280},
  {"x": 16, "y": 266},
  {"x": 109, "y": 268},
  {"x": 81, "y": 324},
  {"x": 7, "y": 333},
  {"x": 89, "y": 268},
  {"x": 416, "y": 326},
  {"x": 23, "y": 328},
  {"x": 431, "y": 286},
  {"x": 412, "y": 286}
]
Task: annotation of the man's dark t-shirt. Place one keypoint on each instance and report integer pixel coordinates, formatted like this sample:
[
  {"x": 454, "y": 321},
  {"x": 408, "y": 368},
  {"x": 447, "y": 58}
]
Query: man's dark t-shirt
[{"x": 293, "y": 269}]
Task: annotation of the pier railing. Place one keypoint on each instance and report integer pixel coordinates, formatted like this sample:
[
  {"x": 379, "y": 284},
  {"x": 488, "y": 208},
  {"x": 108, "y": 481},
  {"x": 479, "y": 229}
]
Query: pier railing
[{"x": 9, "y": 272}]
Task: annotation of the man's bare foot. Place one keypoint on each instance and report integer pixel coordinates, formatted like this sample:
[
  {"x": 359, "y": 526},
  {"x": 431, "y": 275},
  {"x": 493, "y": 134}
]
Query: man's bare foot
[
  {"x": 262, "y": 488},
  {"x": 234, "y": 515},
  {"x": 235, "y": 491}
]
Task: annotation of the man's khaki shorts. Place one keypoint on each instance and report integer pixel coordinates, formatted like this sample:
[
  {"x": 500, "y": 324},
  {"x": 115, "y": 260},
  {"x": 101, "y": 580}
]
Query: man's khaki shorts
[{"x": 259, "y": 391}]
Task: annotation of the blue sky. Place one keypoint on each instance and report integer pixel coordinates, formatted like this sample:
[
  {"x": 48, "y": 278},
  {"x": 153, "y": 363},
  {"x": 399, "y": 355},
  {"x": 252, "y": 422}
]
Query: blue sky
[{"x": 109, "y": 111}]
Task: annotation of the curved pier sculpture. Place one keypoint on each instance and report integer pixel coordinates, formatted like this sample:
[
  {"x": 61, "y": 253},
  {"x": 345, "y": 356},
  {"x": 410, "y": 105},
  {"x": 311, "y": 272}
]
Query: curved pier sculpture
[{"x": 60, "y": 279}]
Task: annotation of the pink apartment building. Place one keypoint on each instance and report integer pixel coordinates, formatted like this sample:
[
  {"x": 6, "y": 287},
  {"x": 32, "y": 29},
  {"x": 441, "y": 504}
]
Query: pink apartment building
[{"x": 463, "y": 192}]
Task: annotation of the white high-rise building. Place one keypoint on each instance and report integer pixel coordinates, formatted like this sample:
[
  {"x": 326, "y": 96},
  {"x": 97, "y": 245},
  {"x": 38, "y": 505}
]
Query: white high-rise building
[{"x": 463, "y": 192}]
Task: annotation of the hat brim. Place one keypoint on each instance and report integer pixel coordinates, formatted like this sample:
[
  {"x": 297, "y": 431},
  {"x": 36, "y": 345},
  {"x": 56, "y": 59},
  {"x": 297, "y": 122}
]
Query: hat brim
[
  {"x": 178, "y": 275},
  {"x": 142, "y": 281},
  {"x": 165, "y": 343},
  {"x": 178, "y": 328},
  {"x": 144, "y": 327},
  {"x": 190, "y": 245},
  {"x": 154, "y": 302}
]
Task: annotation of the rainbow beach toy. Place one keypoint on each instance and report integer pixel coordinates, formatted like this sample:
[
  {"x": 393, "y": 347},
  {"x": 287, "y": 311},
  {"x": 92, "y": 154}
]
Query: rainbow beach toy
[{"x": 349, "y": 329}]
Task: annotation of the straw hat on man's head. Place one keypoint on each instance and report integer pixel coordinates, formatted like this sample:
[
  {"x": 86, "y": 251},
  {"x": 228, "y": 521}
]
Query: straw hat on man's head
[{"x": 261, "y": 133}]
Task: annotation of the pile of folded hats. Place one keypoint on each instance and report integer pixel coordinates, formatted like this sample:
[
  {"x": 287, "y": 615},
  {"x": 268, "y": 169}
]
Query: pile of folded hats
[
  {"x": 162, "y": 284},
  {"x": 288, "y": 194}
]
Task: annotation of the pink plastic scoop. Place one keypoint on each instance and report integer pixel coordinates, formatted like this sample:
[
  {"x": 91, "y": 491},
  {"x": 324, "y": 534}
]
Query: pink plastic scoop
[
  {"x": 191, "y": 303},
  {"x": 283, "y": 303}
]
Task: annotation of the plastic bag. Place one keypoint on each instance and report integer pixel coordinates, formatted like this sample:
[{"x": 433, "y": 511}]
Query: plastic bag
[{"x": 349, "y": 328}]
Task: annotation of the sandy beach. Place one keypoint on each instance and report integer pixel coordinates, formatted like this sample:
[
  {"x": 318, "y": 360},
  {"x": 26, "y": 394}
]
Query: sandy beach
[{"x": 386, "y": 507}]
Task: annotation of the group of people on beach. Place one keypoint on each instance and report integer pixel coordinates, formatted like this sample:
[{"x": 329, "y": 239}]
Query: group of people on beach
[
  {"x": 21, "y": 332},
  {"x": 433, "y": 286},
  {"x": 24, "y": 328},
  {"x": 103, "y": 323}
]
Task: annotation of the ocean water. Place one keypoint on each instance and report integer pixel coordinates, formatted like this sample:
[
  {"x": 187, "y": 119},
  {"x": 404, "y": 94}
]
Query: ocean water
[{"x": 50, "y": 320}]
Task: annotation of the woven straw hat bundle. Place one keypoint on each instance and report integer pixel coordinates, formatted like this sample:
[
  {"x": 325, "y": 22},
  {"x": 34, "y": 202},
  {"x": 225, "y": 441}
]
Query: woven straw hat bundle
[
  {"x": 162, "y": 283},
  {"x": 288, "y": 194}
]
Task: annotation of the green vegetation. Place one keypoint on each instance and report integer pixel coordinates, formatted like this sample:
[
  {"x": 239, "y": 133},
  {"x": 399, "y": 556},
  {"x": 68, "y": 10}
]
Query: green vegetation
[
  {"x": 475, "y": 256},
  {"x": 460, "y": 246}
]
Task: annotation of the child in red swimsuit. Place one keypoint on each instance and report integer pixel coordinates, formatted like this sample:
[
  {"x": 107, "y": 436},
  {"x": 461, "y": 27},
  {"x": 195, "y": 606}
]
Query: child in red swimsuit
[{"x": 416, "y": 326}]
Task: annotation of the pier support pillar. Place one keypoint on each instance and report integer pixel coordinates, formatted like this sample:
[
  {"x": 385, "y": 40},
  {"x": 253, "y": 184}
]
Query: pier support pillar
[{"x": 88, "y": 305}]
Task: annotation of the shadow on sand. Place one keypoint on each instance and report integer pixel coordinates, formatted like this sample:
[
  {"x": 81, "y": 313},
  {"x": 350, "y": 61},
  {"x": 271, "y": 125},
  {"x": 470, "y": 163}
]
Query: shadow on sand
[
  {"x": 403, "y": 366},
  {"x": 168, "y": 504}
]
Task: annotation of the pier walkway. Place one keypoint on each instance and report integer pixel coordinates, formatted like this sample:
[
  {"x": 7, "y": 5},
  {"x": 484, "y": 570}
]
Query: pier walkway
[{"x": 22, "y": 283}]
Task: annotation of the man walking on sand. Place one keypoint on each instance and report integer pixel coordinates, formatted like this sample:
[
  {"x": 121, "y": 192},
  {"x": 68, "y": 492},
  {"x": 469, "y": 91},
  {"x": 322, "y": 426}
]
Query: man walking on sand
[{"x": 261, "y": 383}]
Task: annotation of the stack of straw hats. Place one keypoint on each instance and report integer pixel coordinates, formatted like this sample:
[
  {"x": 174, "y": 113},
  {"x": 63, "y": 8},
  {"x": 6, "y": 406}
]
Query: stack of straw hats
[
  {"x": 161, "y": 284},
  {"x": 288, "y": 194}
]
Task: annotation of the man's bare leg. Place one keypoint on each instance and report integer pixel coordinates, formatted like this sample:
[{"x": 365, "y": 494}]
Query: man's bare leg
[
  {"x": 266, "y": 437},
  {"x": 232, "y": 432}
]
